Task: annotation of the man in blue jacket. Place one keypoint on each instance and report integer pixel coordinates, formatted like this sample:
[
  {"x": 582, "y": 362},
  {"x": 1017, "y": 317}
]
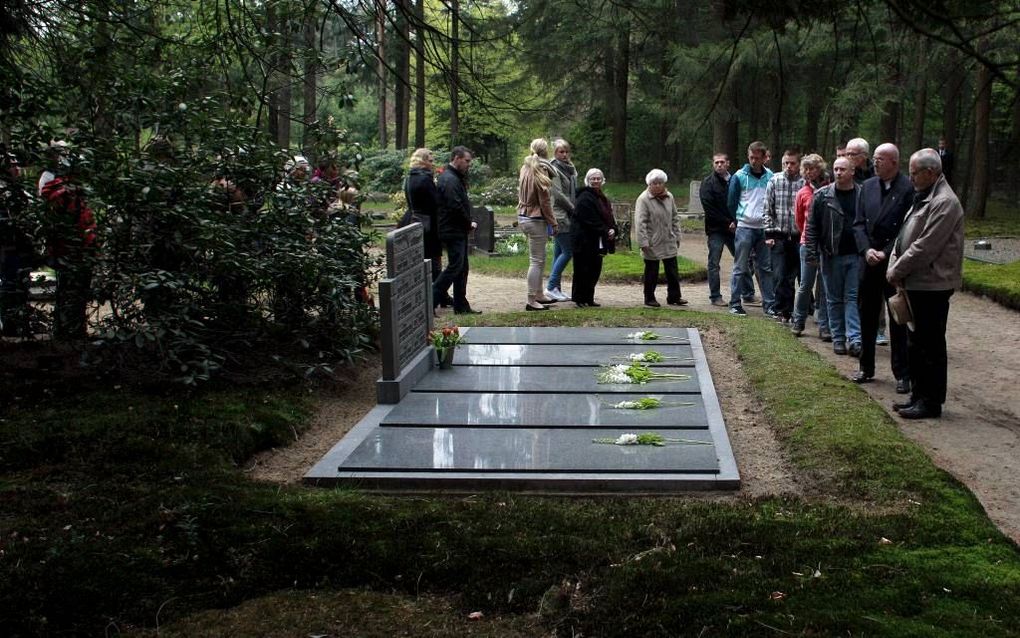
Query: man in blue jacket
[{"x": 746, "y": 202}]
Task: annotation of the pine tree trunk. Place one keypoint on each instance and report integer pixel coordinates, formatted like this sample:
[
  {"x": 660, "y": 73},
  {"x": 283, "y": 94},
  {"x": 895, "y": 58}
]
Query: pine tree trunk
[
  {"x": 621, "y": 80},
  {"x": 380, "y": 52},
  {"x": 419, "y": 78},
  {"x": 272, "y": 76},
  {"x": 283, "y": 68},
  {"x": 889, "y": 125},
  {"x": 310, "y": 84},
  {"x": 454, "y": 71},
  {"x": 920, "y": 97},
  {"x": 401, "y": 91},
  {"x": 980, "y": 176}
]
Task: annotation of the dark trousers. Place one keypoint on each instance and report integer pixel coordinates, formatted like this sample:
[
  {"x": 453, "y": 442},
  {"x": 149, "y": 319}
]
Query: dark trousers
[
  {"x": 926, "y": 345},
  {"x": 74, "y": 284},
  {"x": 455, "y": 274},
  {"x": 785, "y": 271},
  {"x": 651, "y": 279},
  {"x": 587, "y": 270},
  {"x": 871, "y": 296}
]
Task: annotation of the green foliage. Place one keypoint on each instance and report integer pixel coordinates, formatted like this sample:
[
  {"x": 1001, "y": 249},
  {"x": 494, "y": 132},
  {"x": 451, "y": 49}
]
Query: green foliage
[
  {"x": 515, "y": 244},
  {"x": 500, "y": 191},
  {"x": 384, "y": 171}
]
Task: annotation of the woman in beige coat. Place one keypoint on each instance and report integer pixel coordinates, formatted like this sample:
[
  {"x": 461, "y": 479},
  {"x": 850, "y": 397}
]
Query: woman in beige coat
[
  {"x": 535, "y": 217},
  {"x": 658, "y": 236}
]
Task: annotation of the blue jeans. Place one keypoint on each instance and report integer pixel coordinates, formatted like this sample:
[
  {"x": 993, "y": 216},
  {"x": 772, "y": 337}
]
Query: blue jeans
[
  {"x": 562, "y": 252},
  {"x": 746, "y": 240},
  {"x": 841, "y": 275},
  {"x": 808, "y": 274},
  {"x": 716, "y": 243}
]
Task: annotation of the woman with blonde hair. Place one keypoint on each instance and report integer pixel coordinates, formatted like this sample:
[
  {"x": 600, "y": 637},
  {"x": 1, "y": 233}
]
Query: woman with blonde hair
[
  {"x": 535, "y": 217},
  {"x": 423, "y": 207},
  {"x": 813, "y": 170}
]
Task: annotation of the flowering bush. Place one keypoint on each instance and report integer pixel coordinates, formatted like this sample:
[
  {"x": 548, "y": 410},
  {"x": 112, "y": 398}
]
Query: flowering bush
[{"x": 515, "y": 244}]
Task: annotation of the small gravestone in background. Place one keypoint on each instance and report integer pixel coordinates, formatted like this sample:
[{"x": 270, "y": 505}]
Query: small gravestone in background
[
  {"x": 694, "y": 206},
  {"x": 624, "y": 216},
  {"x": 484, "y": 237},
  {"x": 405, "y": 308}
]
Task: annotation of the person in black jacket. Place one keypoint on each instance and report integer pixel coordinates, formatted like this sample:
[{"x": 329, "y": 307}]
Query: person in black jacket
[
  {"x": 455, "y": 223},
  {"x": 423, "y": 208},
  {"x": 720, "y": 226},
  {"x": 885, "y": 200},
  {"x": 592, "y": 235}
]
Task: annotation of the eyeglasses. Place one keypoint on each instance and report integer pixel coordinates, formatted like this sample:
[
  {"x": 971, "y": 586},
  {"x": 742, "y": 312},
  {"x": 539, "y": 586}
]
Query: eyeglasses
[{"x": 853, "y": 153}]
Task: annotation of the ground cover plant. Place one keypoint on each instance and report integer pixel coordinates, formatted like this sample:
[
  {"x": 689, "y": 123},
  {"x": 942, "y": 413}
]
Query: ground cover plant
[{"x": 126, "y": 510}]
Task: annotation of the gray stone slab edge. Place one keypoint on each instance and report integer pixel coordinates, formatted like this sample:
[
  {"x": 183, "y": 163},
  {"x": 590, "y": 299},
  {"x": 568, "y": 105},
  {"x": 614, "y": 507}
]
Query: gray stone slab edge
[
  {"x": 391, "y": 391},
  {"x": 324, "y": 472},
  {"x": 548, "y": 484},
  {"x": 728, "y": 472}
]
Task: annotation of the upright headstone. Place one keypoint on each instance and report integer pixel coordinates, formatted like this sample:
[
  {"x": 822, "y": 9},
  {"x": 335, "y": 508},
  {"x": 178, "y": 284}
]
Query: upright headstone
[
  {"x": 624, "y": 216},
  {"x": 694, "y": 206},
  {"x": 405, "y": 307},
  {"x": 484, "y": 237}
]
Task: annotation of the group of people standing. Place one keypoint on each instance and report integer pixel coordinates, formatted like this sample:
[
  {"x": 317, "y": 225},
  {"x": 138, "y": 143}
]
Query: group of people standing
[{"x": 871, "y": 232}]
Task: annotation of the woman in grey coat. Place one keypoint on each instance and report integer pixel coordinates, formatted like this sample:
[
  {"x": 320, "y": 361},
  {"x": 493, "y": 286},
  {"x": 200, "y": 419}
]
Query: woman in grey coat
[{"x": 658, "y": 236}]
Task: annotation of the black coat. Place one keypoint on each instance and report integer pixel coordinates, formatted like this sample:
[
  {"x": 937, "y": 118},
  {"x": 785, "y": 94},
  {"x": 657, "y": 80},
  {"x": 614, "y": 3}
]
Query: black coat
[
  {"x": 713, "y": 193},
  {"x": 423, "y": 206},
  {"x": 589, "y": 226},
  {"x": 454, "y": 205},
  {"x": 879, "y": 220}
]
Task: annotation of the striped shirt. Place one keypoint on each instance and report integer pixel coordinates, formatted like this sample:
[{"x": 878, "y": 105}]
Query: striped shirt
[{"x": 780, "y": 194}]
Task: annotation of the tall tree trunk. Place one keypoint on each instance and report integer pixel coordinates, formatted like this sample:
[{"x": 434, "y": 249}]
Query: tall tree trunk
[
  {"x": 454, "y": 71},
  {"x": 889, "y": 125},
  {"x": 419, "y": 76},
  {"x": 980, "y": 176},
  {"x": 951, "y": 99},
  {"x": 310, "y": 84},
  {"x": 273, "y": 76},
  {"x": 380, "y": 52},
  {"x": 284, "y": 69},
  {"x": 920, "y": 97},
  {"x": 621, "y": 81},
  {"x": 402, "y": 97},
  {"x": 724, "y": 137},
  {"x": 815, "y": 104}
]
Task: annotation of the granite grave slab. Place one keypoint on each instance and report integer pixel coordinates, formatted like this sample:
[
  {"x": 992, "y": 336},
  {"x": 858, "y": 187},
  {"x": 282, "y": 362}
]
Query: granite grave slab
[
  {"x": 487, "y": 410},
  {"x": 527, "y": 450},
  {"x": 542, "y": 380},
  {"x": 513, "y": 354},
  {"x": 573, "y": 336}
]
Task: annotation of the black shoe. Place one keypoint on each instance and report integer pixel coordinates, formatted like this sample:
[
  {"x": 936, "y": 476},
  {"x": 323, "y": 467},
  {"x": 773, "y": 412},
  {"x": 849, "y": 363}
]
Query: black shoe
[
  {"x": 445, "y": 303},
  {"x": 678, "y": 302},
  {"x": 651, "y": 303},
  {"x": 855, "y": 350},
  {"x": 466, "y": 311},
  {"x": 581, "y": 304},
  {"x": 903, "y": 386},
  {"x": 909, "y": 403},
  {"x": 921, "y": 410},
  {"x": 839, "y": 347},
  {"x": 547, "y": 301},
  {"x": 862, "y": 377},
  {"x": 529, "y": 307},
  {"x": 592, "y": 304}
]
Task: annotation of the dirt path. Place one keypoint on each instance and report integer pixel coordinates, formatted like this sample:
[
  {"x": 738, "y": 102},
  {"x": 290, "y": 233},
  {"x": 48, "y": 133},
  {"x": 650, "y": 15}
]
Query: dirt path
[{"x": 977, "y": 440}]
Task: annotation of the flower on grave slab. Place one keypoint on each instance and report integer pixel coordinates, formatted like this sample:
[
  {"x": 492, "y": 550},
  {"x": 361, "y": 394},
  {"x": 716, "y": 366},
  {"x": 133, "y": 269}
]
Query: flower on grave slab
[
  {"x": 652, "y": 439},
  {"x": 635, "y": 373},
  {"x": 647, "y": 335},
  {"x": 645, "y": 403}
]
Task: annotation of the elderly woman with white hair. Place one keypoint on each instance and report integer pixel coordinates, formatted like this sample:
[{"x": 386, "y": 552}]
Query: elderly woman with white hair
[
  {"x": 535, "y": 217},
  {"x": 593, "y": 235},
  {"x": 658, "y": 235}
]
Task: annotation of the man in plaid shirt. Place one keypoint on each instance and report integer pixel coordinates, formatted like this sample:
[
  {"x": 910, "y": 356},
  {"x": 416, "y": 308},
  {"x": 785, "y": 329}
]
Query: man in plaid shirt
[{"x": 781, "y": 234}]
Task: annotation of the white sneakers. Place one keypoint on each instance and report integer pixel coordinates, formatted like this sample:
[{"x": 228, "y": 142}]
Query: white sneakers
[{"x": 554, "y": 293}]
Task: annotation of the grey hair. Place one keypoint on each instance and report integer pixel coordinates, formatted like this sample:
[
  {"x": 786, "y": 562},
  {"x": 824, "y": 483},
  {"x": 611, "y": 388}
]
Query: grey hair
[
  {"x": 813, "y": 161},
  {"x": 559, "y": 143},
  {"x": 591, "y": 173},
  {"x": 927, "y": 158},
  {"x": 859, "y": 143},
  {"x": 656, "y": 175}
]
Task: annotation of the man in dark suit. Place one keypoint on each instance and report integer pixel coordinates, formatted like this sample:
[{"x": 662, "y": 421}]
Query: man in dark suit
[
  {"x": 885, "y": 200},
  {"x": 948, "y": 162}
]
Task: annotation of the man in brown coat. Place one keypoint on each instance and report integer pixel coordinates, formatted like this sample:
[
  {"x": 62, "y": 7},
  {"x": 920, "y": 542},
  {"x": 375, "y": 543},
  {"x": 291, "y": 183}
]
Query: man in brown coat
[{"x": 927, "y": 261}]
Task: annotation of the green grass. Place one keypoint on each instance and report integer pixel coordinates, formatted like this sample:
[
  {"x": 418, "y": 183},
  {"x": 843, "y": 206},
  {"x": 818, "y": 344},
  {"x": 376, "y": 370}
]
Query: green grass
[
  {"x": 1000, "y": 282},
  {"x": 118, "y": 510},
  {"x": 1002, "y": 219},
  {"x": 628, "y": 192},
  {"x": 624, "y": 266}
]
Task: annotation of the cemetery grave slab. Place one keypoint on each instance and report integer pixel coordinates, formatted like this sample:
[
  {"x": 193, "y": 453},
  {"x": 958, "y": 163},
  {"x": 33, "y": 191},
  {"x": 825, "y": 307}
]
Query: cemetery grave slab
[{"x": 520, "y": 410}]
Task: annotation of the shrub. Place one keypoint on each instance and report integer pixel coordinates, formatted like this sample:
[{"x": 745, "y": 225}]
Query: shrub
[
  {"x": 384, "y": 171},
  {"x": 516, "y": 244},
  {"x": 501, "y": 191}
]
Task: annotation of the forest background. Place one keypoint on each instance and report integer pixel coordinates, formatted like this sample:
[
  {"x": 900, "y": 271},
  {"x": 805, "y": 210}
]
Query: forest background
[{"x": 237, "y": 87}]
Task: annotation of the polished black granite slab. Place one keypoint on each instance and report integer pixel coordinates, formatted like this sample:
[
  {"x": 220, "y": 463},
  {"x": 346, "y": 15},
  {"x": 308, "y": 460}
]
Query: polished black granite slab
[
  {"x": 527, "y": 450},
  {"x": 573, "y": 336},
  {"x": 489, "y": 410},
  {"x": 538, "y": 379},
  {"x": 507, "y": 354}
]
